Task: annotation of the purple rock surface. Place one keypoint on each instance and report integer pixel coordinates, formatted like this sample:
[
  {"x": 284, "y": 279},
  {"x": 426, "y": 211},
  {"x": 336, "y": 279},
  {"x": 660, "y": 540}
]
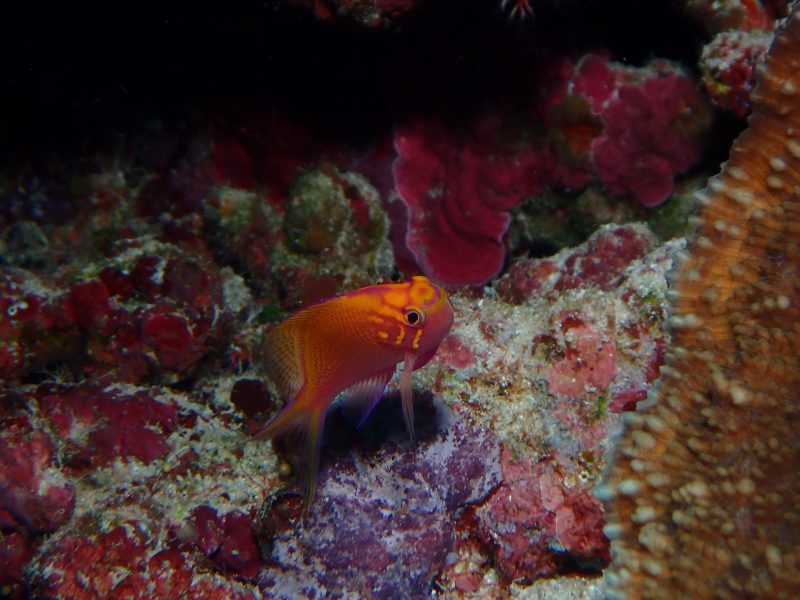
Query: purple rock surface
[{"x": 383, "y": 517}]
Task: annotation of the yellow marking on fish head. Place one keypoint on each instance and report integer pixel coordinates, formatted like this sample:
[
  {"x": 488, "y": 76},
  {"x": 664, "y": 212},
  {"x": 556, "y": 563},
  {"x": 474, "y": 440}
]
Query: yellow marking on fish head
[
  {"x": 417, "y": 337},
  {"x": 408, "y": 307},
  {"x": 396, "y": 298},
  {"x": 421, "y": 291}
]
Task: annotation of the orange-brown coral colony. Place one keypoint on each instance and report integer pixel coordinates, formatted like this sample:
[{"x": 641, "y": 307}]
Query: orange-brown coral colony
[{"x": 704, "y": 498}]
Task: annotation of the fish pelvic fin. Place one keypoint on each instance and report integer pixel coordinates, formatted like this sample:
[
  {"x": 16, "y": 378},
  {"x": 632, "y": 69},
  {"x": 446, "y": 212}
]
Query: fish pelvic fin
[
  {"x": 407, "y": 393},
  {"x": 363, "y": 396},
  {"x": 307, "y": 424}
]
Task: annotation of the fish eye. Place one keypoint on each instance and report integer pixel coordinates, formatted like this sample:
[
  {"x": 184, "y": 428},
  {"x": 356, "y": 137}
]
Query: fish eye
[{"x": 413, "y": 316}]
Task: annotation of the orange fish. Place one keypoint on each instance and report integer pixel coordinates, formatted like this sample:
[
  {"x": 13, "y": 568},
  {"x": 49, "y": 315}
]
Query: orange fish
[{"x": 352, "y": 343}]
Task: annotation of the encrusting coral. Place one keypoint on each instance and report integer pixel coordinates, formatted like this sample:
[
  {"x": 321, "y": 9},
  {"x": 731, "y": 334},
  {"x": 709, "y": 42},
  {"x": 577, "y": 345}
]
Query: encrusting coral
[{"x": 702, "y": 501}]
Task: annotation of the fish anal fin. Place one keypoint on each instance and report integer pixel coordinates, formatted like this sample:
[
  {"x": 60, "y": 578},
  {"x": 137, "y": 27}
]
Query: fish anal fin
[{"x": 364, "y": 395}]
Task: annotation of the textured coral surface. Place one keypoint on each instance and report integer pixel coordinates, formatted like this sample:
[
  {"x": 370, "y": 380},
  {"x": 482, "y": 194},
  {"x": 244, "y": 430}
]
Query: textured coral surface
[{"x": 705, "y": 488}]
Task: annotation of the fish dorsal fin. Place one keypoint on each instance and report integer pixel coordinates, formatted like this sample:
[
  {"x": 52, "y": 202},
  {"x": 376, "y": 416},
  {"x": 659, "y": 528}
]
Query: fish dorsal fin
[
  {"x": 283, "y": 350},
  {"x": 363, "y": 396}
]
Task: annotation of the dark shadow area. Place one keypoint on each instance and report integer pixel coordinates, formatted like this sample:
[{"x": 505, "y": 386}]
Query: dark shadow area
[
  {"x": 385, "y": 425},
  {"x": 74, "y": 71}
]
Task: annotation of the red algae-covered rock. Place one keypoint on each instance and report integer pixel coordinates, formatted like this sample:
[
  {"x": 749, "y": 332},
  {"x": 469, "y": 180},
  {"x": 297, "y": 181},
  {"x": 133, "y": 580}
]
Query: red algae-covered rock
[
  {"x": 87, "y": 303},
  {"x": 728, "y": 64},
  {"x": 171, "y": 339},
  {"x": 384, "y": 512},
  {"x": 139, "y": 317},
  {"x": 589, "y": 358},
  {"x": 537, "y": 527},
  {"x": 34, "y": 494},
  {"x": 119, "y": 564},
  {"x": 99, "y": 426},
  {"x": 551, "y": 372},
  {"x": 635, "y": 129},
  {"x": 599, "y": 262},
  {"x": 458, "y": 189},
  {"x": 227, "y": 540},
  {"x": 162, "y": 485},
  {"x": 15, "y": 553}
]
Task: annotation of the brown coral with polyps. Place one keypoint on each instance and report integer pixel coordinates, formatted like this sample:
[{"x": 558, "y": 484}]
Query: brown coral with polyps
[{"x": 703, "y": 498}]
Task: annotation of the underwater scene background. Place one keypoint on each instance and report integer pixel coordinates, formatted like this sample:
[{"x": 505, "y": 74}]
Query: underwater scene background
[{"x": 612, "y": 414}]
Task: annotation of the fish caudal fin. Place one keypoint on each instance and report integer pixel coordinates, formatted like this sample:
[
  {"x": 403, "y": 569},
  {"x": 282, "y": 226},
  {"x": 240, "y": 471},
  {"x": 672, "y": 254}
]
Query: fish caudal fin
[
  {"x": 407, "y": 393},
  {"x": 308, "y": 426}
]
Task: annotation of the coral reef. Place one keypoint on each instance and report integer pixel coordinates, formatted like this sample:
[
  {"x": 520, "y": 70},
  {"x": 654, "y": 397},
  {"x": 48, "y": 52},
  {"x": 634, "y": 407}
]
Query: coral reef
[
  {"x": 147, "y": 487},
  {"x": 632, "y": 129},
  {"x": 164, "y": 205},
  {"x": 500, "y": 362},
  {"x": 702, "y": 497},
  {"x": 167, "y": 486}
]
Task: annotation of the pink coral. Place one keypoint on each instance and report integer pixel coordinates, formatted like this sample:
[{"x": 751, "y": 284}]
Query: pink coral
[
  {"x": 458, "y": 189},
  {"x": 650, "y": 137},
  {"x": 634, "y": 129}
]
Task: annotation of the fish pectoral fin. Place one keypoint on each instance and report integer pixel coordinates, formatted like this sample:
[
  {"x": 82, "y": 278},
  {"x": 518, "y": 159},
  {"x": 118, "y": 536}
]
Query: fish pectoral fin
[
  {"x": 364, "y": 395},
  {"x": 308, "y": 425},
  {"x": 407, "y": 393}
]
